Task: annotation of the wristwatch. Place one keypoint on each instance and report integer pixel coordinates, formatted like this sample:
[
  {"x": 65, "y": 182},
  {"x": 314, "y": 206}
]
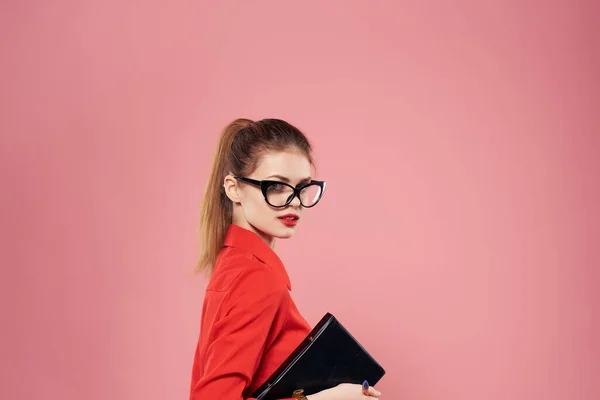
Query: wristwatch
[{"x": 299, "y": 394}]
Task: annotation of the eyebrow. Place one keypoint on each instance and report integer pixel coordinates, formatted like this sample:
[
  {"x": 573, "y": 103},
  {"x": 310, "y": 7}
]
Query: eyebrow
[{"x": 287, "y": 180}]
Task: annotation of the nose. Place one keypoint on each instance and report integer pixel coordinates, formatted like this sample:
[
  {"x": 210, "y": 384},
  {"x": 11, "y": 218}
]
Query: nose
[{"x": 295, "y": 202}]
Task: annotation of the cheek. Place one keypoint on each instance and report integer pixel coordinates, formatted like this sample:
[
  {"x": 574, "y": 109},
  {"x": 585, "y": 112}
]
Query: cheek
[
  {"x": 256, "y": 208},
  {"x": 260, "y": 215}
]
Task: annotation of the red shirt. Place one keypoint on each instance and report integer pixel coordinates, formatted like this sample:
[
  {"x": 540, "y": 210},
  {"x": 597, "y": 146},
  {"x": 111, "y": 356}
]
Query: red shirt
[{"x": 250, "y": 323}]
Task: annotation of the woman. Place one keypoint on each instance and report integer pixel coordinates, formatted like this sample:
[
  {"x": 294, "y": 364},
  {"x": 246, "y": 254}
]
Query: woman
[{"x": 257, "y": 191}]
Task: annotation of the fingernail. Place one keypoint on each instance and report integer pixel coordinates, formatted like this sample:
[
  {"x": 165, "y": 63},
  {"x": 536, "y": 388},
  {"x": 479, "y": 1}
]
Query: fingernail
[{"x": 365, "y": 385}]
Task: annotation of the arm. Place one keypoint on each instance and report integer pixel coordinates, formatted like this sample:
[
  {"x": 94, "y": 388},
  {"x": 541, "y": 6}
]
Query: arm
[{"x": 240, "y": 336}]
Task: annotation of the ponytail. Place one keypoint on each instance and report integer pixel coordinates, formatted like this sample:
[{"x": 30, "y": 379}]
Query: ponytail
[{"x": 216, "y": 213}]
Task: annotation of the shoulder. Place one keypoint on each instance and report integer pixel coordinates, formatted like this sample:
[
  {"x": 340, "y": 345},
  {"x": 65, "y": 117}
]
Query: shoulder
[{"x": 241, "y": 274}]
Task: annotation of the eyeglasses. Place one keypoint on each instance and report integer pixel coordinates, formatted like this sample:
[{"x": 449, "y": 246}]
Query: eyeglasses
[{"x": 280, "y": 194}]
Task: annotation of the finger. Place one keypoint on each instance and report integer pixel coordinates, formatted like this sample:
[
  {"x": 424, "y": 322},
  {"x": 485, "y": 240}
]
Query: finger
[{"x": 373, "y": 392}]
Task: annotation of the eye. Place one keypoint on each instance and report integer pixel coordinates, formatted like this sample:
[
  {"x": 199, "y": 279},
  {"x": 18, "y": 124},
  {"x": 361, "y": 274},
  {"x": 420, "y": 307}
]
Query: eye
[{"x": 277, "y": 187}]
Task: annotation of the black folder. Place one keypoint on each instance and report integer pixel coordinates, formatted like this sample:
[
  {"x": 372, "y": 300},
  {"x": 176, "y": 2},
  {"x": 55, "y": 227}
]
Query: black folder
[{"x": 328, "y": 356}]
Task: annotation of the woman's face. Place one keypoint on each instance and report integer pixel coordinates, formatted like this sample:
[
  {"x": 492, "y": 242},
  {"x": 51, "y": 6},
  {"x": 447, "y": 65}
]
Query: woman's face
[{"x": 251, "y": 211}]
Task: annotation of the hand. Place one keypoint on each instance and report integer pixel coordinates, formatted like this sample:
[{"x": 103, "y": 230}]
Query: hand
[{"x": 344, "y": 391}]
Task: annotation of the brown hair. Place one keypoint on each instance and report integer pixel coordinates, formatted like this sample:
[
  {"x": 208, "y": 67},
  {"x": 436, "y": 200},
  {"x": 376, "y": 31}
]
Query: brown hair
[{"x": 242, "y": 144}]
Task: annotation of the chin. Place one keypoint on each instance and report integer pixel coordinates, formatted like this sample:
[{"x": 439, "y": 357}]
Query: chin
[
  {"x": 286, "y": 234},
  {"x": 276, "y": 231},
  {"x": 283, "y": 232}
]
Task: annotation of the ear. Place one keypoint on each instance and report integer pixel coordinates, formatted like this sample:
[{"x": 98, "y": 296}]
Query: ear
[{"x": 231, "y": 187}]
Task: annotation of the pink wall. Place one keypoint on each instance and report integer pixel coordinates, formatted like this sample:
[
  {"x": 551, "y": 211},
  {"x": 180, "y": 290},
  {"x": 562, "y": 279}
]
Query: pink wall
[{"x": 458, "y": 239}]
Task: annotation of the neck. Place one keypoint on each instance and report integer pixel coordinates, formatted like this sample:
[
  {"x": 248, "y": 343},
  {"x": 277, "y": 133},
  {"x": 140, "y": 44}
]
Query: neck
[{"x": 269, "y": 240}]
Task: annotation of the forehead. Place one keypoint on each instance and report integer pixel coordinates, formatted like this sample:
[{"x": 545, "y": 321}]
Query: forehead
[{"x": 291, "y": 164}]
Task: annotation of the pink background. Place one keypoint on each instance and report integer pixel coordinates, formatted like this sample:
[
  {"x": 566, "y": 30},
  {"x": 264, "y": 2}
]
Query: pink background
[{"x": 458, "y": 239}]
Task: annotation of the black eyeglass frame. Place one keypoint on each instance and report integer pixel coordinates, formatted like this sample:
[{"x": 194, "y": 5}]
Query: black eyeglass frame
[{"x": 265, "y": 184}]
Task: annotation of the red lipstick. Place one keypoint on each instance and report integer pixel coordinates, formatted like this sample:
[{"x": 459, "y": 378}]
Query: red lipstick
[{"x": 289, "y": 219}]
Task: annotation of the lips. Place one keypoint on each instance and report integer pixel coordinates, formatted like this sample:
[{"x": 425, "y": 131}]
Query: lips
[{"x": 289, "y": 219}]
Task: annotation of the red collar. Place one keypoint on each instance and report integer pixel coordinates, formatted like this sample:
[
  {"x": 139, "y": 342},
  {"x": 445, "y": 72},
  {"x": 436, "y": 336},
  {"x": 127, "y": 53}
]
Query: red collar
[{"x": 249, "y": 241}]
